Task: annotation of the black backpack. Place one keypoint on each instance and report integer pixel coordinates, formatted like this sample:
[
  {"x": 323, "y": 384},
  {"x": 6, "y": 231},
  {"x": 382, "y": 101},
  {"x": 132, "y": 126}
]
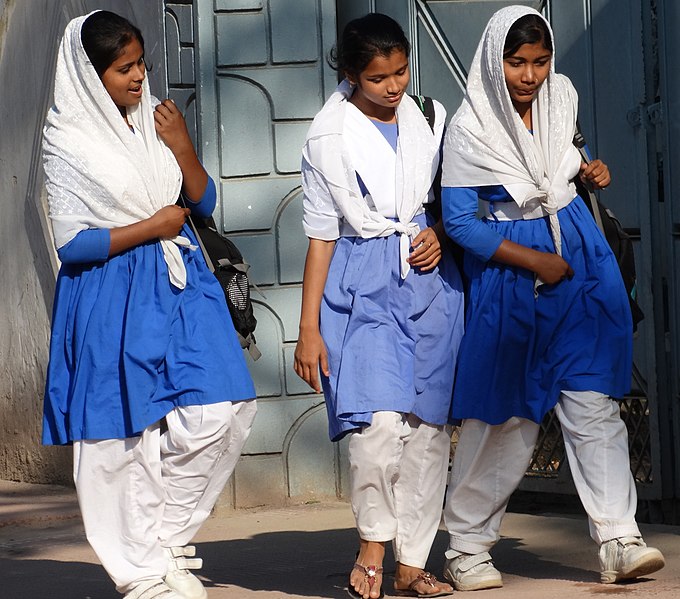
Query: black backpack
[
  {"x": 617, "y": 238},
  {"x": 231, "y": 270}
]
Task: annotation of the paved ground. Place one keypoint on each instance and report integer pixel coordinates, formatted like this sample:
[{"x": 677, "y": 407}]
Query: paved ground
[{"x": 302, "y": 552}]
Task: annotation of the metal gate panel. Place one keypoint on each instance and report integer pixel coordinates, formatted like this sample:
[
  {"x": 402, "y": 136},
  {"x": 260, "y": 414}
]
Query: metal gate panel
[{"x": 261, "y": 76}]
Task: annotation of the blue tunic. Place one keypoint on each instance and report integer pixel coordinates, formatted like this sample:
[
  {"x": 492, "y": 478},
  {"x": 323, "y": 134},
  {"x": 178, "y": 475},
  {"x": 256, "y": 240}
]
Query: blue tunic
[
  {"x": 392, "y": 342},
  {"x": 127, "y": 346},
  {"x": 519, "y": 351}
]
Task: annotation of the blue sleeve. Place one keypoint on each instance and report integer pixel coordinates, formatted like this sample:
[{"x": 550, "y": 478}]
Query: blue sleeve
[
  {"x": 459, "y": 215},
  {"x": 204, "y": 207},
  {"x": 90, "y": 245}
]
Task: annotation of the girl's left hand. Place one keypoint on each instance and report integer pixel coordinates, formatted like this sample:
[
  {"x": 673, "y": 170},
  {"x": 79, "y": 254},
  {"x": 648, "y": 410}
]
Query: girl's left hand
[
  {"x": 427, "y": 249},
  {"x": 596, "y": 174},
  {"x": 171, "y": 127}
]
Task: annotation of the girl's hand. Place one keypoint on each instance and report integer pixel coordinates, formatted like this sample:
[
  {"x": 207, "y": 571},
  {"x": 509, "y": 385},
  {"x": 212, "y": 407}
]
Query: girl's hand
[
  {"x": 551, "y": 268},
  {"x": 428, "y": 248},
  {"x": 310, "y": 355},
  {"x": 168, "y": 221},
  {"x": 596, "y": 174},
  {"x": 171, "y": 127}
]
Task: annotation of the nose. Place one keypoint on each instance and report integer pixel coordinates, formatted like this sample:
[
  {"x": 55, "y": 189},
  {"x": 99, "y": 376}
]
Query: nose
[
  {"x": 529, "y": 74},
  {"x": 140, "y": 72},
  {"x": 393, "y": 86}
]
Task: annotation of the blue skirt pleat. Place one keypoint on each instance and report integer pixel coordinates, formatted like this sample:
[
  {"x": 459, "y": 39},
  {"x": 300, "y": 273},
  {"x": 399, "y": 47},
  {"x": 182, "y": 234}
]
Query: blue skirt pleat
[
  {"x": 519, "y": 351},
  {"x": 392, "y": 343}
]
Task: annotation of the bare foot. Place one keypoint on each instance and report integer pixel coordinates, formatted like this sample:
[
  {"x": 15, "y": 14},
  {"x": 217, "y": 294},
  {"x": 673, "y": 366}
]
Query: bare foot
[
  {"x": 366, "y": 575},
  {"x": 410, "y": 578}
]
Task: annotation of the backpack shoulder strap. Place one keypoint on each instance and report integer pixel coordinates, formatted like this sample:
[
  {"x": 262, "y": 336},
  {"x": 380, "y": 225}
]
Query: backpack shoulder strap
[
  {"x": 426, "y": 105},
  {"x": 580, "y": 143}
]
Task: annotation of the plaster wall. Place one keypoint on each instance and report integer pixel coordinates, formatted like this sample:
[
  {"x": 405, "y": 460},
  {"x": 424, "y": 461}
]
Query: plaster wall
[{"x": 29, "y": 36}]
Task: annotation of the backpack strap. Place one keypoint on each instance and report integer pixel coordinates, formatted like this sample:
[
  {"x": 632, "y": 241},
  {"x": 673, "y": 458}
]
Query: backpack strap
[
  {"x": 426, "y": 105},
  {"x": 580, "y": 143}
]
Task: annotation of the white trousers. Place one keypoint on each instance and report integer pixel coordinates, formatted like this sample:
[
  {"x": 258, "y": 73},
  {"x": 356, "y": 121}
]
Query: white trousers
[
  {"x": 141, "y": 494},
  {"x": 398, "y": 470},
  {"x": 490, "y": 462}
]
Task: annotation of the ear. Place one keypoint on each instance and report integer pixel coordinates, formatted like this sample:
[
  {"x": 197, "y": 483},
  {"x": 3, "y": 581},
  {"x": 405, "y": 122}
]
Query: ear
[{"x": 351, "y": 78}]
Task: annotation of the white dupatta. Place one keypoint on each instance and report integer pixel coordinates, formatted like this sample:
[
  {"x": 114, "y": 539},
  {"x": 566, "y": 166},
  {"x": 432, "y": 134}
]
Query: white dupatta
[
  {"x": 488, "y": 144},
  {"x": 327, "y": 154},
  {"x": 99, "y": 174}
]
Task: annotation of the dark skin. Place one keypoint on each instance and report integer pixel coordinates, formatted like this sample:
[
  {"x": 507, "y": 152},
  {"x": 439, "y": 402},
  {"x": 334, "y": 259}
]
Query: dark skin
[{"x": 123, "y": 80}]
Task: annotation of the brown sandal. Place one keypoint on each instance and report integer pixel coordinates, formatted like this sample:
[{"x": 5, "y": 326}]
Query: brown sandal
[
  {"x": 369, "y": 573},
  {"x": 427, "y": 578}
]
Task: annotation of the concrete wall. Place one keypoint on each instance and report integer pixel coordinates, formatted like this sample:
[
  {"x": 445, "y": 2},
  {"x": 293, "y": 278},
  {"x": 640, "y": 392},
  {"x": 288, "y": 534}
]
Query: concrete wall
[{"x": 29, "y": 35}]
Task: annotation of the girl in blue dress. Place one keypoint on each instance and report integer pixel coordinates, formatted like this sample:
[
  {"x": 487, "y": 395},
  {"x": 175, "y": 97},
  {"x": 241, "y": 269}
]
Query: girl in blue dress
[
  {"x": 146, "y": 377},
  {"x": 381, "y": 304},
  {"x": 548, "y": 323}
]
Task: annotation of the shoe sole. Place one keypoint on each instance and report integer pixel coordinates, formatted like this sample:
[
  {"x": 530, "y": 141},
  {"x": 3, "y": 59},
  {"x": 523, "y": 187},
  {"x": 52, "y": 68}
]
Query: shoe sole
[
  {"x": 490, "y": 583},
  {"x": 645, "y": 565}
]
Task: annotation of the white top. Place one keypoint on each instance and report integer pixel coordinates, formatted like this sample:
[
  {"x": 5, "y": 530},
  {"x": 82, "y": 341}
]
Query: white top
[{"x": 342, "y": 142}]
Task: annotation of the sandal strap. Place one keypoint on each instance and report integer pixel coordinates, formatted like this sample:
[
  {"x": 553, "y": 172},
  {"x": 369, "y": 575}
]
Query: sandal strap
[
  {"x": 369, "y": 572},
  {"x": 426, "y": 577}
]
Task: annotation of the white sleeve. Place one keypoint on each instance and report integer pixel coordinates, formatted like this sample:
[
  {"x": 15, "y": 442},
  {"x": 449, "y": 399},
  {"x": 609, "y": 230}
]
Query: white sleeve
[{"x": 321, "y": 218}]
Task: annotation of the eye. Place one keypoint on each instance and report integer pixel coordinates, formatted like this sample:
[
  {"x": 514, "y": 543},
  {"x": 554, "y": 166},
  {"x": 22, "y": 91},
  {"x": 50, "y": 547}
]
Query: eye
[{"x": 375, "y": 79}]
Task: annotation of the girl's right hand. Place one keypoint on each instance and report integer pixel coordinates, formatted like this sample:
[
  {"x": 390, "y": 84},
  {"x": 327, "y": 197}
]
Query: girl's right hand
[
  {"x": 551, "y": 268},
  {"x": 168, "y": 221},
  {"x": 310, "y": 355}
]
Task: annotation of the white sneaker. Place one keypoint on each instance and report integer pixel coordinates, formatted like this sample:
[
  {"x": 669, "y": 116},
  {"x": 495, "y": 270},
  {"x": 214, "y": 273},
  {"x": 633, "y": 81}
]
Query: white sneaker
[
  {"x": 152, "y": 589},
  {"x": 471, "y": 572},
  {"x": 628, "y": 557},
  {"x": 179, "y": 578}
]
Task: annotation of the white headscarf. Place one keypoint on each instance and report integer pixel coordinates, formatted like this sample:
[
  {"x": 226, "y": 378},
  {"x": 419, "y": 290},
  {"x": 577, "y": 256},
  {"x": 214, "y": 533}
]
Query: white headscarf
[
  {"x": 326, "y": 153},
  {"x": 488, "y": 144},
  {"x": 99, "y": 174}
]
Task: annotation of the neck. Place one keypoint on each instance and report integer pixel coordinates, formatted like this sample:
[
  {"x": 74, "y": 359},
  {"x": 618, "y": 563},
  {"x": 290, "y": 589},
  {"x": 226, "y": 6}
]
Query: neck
[
  {"x": 384, "y": 114},
  {"x": 524, "y": 111}
]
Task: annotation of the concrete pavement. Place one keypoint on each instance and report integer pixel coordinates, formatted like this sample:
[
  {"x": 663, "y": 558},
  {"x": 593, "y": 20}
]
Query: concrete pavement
[{"x": 302, "y": 552}]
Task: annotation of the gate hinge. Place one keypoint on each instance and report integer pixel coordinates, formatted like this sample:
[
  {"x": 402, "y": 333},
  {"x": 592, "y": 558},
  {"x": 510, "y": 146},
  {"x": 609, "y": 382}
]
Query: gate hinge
[{"x": 647, "y": 116}]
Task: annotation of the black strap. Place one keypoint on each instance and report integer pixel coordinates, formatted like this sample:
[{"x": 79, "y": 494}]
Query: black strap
[
  {"x": 580, "y": 143},
  {"x": 426, "y": 105}
]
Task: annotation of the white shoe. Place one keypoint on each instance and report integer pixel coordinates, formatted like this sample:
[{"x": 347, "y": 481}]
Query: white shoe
[
  {"x": 152, "y": 589},
  {"x": 471, "y": 572},
  {"x": 628, "y": 557},
  {"x": 179, "y": 578}
]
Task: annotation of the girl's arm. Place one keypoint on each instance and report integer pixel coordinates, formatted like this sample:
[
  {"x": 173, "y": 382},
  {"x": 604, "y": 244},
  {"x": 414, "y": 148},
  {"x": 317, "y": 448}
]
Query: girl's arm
[
  {"x": 310, "y": 352},
  {"x": 459, "y": 209},
  {"x": 172, "y": 130},
  {"x": 98, "y": 245}
]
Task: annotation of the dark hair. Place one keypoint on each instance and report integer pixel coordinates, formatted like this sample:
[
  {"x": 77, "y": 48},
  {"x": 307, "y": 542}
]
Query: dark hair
[
  {"x": 528, "y": 29},
  {"x": 365, "y": 38},
  {"x": 104, "y": 35}
]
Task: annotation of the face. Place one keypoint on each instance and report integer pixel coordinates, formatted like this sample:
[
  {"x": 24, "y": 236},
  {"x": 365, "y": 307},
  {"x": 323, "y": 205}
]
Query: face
[
  {"x": 381, "y": 85},
  {"x": 123, "y": 79},
  {"x": 525, "y": 71}
]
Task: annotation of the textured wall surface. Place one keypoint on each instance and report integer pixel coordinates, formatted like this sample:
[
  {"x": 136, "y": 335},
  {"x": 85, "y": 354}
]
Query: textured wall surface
[{"x": 29, "y": 35}]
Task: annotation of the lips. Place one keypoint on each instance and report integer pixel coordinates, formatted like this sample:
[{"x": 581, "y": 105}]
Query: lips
[
  {"x": 395, "y": 99},
  {"x": 136, "y": 91}
]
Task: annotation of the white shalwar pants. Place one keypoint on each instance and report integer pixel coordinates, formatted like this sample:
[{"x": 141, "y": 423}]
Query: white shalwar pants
[
  {"x": 490, "y": 462},
  {"x": 141, "y": 494},
  {"x": 398, "y": 468}
]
